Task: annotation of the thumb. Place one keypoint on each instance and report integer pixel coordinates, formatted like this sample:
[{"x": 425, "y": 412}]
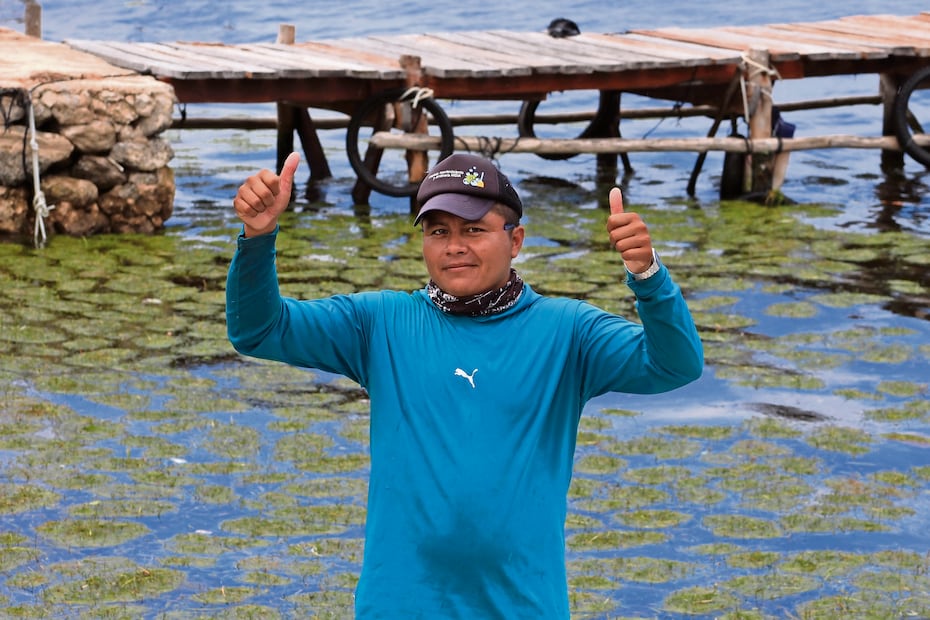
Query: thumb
[
  {"x": 615, "y": 199},
  {"x": 286, "y": 179}
]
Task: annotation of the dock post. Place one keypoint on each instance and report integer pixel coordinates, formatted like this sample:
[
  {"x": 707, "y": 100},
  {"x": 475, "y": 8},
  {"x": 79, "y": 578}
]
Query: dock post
[
  {"x": 417, "y": 161},
  {"x": 891, "y": 161},
  {"x": 759, "y": 108},
  {"x": 286, "y": 120},
  {"x": 293, "y": 118},
  {"x": 32, "y": 18}
]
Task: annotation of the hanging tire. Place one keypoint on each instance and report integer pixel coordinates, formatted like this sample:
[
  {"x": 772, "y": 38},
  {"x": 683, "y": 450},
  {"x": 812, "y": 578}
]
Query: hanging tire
[
  {"x": 905, "y": 123},
  {"x": 373, "y": 106},
  {"x": 526, "y": 121}
]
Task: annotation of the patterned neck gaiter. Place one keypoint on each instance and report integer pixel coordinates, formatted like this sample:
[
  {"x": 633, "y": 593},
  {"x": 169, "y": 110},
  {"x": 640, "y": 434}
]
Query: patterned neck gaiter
[{"x": 490, "y": 302}]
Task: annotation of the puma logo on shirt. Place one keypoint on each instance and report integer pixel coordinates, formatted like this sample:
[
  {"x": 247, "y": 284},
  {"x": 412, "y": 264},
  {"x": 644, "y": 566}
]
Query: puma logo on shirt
[{"x": 468, "y": 377}]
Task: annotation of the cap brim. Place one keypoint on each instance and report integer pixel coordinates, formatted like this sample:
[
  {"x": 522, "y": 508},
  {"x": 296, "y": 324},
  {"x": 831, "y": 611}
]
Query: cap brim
[{"x": 465, "y": 206}]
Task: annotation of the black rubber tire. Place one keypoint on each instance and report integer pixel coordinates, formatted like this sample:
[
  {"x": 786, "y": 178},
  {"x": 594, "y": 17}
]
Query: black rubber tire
[
  {"x": 526, "y": 120},
  {"x": 902, "y": 118},
  {"x": 372, "y": 104}
]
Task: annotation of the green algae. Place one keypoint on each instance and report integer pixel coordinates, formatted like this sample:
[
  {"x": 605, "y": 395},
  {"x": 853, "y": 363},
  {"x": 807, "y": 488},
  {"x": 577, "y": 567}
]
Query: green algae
[
  {"x": 741, "y": 527},
  {"x": 136, "y": 585},
  {"x": 699, "y": 601},
  {"x": 841, "y": 439},
  {"x": 19, "y": 498},
  {"x": 91, "y": 532},
  {"x": 613, "y": 539},
  {"x": 15, "y": 551},
  {"x": 768, "y": 587},
  {"x": 598, "y": 464},
  {"x": 649, "y": 519},
  {"x": 753, "y": 559}
]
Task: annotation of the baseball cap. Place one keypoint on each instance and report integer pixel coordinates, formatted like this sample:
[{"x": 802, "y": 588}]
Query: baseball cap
[{"x": 465, "y": 185}]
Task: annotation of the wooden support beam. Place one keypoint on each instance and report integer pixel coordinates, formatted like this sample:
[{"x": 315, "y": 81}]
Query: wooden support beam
[
  {"x": 286, "y": 114},
  {"x": 888, "y": 88},
  {"x": 758, "y": 76},
  {"x": 387, "y": 140}
]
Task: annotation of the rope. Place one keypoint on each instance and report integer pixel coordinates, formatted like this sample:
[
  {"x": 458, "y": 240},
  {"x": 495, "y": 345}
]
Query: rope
[
  {"x": 489, "y": 147},
  {"x": 418, "y": 93},
  {"x": 38, "y": 201},
  {"x": 758, "y": 69},
  {"x": 773, "y": 73}
]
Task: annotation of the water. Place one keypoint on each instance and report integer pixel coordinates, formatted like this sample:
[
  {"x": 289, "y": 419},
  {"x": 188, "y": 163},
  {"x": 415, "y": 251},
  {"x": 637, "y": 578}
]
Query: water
[{"x": 811, "y": 422}]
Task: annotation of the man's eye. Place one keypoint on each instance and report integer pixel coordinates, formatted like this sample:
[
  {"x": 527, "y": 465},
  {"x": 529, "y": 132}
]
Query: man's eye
[
  {"x": 474, "y": 230},
  {"x": 436, "y": 232}
]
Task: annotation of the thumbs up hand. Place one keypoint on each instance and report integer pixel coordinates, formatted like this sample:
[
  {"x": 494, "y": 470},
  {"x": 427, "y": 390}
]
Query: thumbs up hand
[
  {"x": 629, "y": 235},
  {"x": 264, "y": 196}
]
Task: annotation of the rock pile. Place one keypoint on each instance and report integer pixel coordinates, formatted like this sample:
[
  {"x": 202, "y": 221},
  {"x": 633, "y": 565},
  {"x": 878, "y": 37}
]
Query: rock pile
[{"x": 104, "y": 167}]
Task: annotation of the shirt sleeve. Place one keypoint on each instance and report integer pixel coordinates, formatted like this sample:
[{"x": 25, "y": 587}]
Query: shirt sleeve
[
  {"x": 662, "y": 353},
  {"x": 328, "y": 334}
]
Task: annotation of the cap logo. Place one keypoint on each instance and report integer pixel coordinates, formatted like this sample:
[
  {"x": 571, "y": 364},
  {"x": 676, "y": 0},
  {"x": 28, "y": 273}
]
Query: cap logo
[{"x": 473, "y": 178}]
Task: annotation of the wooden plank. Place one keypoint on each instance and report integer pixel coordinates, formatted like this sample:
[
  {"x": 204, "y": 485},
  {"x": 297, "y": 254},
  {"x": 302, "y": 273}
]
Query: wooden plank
[
  {"x": 285, "y": 63},
  {"x": 875, "y": 46},
  {"x": 780, "y": 50},
  {"x": 208, "y": 54},
  {"x": 867, "y": 29},
  {"x": 914, "y": 29},
  {"x": 449, "y": 58},
  {"x": 606, "y": 56},
  {"x": 440, "y": 65},
  {"x": 344, "y": 49},
  {"x": 131, "y": 57},
  {"x": 810, "y": 44},
  {"x": 506, "y": 45},
  {"x": 681, "y": 52},
  {"x": 310, "y": 55},
  {"x": 587, "y": 50},
  {"x": 231, "y": 57}
]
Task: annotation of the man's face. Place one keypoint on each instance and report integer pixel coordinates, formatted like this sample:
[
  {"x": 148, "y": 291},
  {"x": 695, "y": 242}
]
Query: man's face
[{"x": 469, "y": 257}]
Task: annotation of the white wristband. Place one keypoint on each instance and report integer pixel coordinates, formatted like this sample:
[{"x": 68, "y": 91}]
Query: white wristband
[{"x": 653, "y": 268}]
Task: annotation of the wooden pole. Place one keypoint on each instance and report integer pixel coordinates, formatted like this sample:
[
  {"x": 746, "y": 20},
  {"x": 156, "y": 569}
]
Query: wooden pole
[
  {"x": 387, "y": 140},
  {"x": 32, "y": 19},
  {"x": 287, "y": 119},
  {"x": 759, "y": 104},
  {"x": 888, "y": 89},
  {"x": 417, "y": 161}
]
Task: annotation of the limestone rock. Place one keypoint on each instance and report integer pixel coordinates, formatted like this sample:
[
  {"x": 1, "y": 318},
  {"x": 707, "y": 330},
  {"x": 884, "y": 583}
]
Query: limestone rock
[
  {"x": 66, "y": 106},
  {"x": 154, "y": 114},
  {"x": 69, "y": 219},
  {"x": 98, "y": 136},
  {"x": 53, "y": 149},
  {"x": 78, "y": 192},
  {"x": 147, "y": 156},
  {"x": 14, "y": 210},
  {"x": 101, "y": 171}
]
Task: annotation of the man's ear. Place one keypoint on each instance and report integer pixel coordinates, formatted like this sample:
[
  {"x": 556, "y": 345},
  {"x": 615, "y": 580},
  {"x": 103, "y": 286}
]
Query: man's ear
[{"x": 517, "y": 235}]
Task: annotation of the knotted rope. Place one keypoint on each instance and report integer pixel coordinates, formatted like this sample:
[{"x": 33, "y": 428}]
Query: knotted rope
[{"x": 39, "y": 204}]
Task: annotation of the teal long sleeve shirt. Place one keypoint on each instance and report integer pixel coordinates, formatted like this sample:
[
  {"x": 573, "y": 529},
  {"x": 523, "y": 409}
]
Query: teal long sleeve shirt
[{"x": 473, "y": 424}]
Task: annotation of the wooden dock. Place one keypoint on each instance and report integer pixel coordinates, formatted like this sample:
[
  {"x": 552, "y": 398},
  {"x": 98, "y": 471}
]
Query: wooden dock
[{"x": 700, "y": 66}]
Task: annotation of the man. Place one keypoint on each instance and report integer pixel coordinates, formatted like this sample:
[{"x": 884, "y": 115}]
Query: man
[{"x": 476, "y": 384}]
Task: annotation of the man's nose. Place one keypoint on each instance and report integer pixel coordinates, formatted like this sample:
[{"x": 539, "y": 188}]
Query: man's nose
[{"x": 456, "y": 243}]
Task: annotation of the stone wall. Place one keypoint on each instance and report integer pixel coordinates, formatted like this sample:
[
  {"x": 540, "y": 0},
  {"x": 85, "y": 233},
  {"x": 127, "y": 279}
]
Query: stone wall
[{"x": 104, "y": 166}]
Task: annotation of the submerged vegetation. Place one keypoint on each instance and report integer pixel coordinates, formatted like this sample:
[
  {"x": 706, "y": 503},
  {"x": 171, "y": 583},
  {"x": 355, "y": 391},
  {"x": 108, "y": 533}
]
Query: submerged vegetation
[{"x": 150, "y": 471}]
